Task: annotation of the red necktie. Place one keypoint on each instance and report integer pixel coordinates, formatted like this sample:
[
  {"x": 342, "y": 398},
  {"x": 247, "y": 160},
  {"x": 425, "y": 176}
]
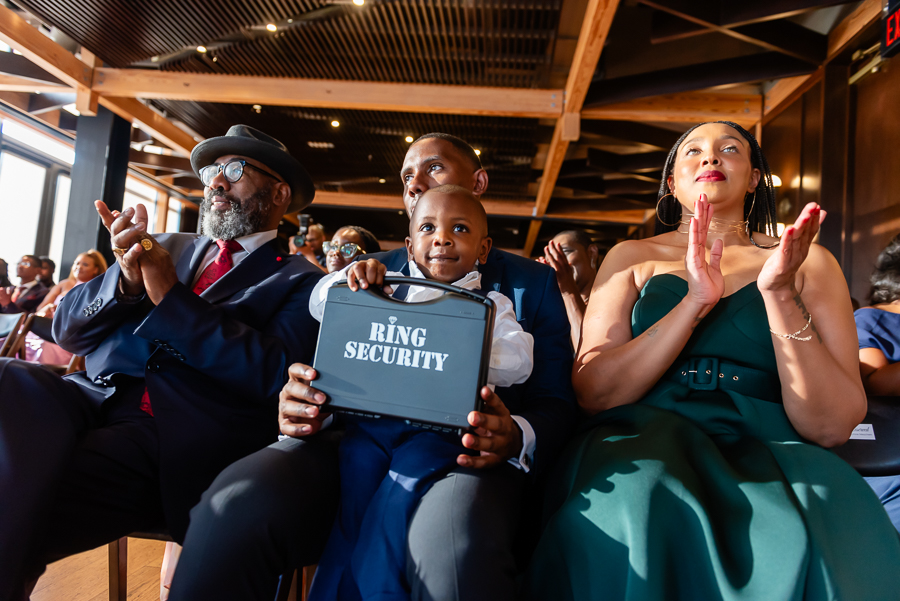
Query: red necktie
[{"x": 222, "y": 265}]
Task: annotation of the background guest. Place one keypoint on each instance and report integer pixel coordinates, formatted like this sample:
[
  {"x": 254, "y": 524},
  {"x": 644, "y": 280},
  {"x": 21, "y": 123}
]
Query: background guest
[
  {"x": 312, "y": 245},
  {"x": 349, "y": 242},
  {"x": 25, "y": 297},
  {"x": 878, "y": 329},
  {"x": 575, "y": 259},
  {"x": 86, "y": 267},
  {"x": 4, "y": 275},
  {"x": 48, "y": 268}
]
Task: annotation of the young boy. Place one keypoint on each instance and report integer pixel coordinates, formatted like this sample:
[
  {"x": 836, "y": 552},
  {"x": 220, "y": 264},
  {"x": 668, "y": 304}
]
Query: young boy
[{"x": 387, "y": 466}]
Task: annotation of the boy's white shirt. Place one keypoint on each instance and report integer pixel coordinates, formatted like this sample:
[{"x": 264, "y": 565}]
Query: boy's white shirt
[{"x": 512, "y": 350}]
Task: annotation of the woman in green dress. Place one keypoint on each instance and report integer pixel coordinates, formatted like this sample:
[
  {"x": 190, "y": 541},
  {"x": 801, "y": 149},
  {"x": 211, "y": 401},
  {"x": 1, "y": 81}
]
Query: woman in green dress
[{"x": 718, "y": 364}]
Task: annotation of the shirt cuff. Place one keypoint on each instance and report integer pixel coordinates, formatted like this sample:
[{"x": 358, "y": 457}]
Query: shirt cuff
[
  {"x": 128, "y": 299},
  {"x": 526, "y": 458}
]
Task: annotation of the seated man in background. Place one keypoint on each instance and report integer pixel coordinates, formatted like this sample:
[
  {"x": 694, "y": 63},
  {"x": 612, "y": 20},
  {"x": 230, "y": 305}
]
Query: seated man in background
[
  {"x": 188, "y": 340},
  {"x": 575, "y": 259},
  {"x": 25, "y": 297},
  {"x": 464, "y": 538}
]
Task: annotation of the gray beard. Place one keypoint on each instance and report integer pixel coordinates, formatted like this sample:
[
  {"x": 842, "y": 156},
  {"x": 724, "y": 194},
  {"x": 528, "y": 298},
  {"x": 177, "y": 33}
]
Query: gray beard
[{"x": 245, "y": 217}]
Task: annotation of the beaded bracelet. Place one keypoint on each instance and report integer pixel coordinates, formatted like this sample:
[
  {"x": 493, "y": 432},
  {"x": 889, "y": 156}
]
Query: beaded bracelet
[{"x": 795, "y": 335}]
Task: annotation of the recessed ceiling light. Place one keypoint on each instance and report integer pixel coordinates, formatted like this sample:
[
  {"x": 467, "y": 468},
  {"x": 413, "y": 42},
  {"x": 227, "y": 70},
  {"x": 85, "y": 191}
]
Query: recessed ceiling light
[
  {"x": 290, "y": 20},
  {"x": 215, "y": 59},
  {"x": 201, "y": 49},
  {"x": 409, "y": 139},
  {"x": 154, "y": 59},
  {"x": 335, "y": 123},
  {"x": 359, "y": 2},
  {"x": 257, "y": 108},
  {"x": 271, "y": 27},
  {"x": 382, "y": 180}
]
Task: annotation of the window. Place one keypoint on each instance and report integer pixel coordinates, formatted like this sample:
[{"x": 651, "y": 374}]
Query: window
[
  {"x": 139, "y": 193},
  {"x": 60, "y": 215},
  {"x": 21, "y": 195},
  {"x": 173, "y": 219}
]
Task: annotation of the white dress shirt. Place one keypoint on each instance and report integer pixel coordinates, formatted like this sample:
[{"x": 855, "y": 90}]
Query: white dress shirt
[{"x": 248, "y": 244}]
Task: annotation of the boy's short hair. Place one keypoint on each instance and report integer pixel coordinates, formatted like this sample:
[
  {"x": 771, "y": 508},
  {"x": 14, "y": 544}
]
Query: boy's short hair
[{"x": 454, "y": 190}]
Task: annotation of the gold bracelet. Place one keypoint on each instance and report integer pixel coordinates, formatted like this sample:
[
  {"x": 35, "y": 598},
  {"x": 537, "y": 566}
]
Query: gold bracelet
[{"x": 796, "y": 335}]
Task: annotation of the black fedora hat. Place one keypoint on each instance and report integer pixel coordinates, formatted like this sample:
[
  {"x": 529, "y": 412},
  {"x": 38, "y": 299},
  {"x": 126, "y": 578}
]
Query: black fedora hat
[{"x": 247, "y": 141}]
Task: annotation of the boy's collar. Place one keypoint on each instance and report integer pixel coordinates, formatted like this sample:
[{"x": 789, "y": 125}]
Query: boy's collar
[{"x": 470, "y": 281}]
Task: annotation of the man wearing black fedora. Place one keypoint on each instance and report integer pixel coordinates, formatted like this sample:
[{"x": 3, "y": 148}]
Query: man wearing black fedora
[{"x": 187, "y": 339}]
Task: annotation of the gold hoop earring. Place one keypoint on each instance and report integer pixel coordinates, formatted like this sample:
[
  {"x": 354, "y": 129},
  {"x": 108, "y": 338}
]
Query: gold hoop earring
[
  {"x": 752, "y": 204},
  {"x": 672, "y": 194}
]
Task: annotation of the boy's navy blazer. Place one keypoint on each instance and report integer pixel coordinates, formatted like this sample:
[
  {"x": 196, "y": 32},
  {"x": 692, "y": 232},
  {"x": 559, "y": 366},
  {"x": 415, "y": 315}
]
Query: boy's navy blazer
[
  {"x": 213, "y": 364},
  {"x": 546, "y": 399}
]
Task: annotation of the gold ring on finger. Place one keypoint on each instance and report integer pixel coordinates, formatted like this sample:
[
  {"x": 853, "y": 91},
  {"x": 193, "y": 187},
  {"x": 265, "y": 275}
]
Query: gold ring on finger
[
  {"x": 119, "y": 251},
  {"x": 147, "y": 243}
]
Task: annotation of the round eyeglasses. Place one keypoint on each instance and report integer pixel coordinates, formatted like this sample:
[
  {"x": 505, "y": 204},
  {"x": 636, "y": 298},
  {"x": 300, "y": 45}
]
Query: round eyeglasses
[
  {"x": 348, "y": 250},
  {"x": 233, "y": 171}
]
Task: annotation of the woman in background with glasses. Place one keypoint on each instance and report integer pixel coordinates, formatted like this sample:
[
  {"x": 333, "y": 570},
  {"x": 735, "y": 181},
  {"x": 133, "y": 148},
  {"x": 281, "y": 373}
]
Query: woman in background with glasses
[{"x": 348, "y": 242}]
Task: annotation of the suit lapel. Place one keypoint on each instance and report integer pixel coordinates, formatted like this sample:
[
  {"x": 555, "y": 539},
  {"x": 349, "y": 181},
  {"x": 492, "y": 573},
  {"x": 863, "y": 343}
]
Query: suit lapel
[
  {"x": 256, "y": 267},
  {"x": 492, "y": 272},
  {"x": 190, "y": 261}
]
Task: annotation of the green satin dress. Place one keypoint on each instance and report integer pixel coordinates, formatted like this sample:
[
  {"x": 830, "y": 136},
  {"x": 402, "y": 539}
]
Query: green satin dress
[{"x": 704, "y": 490}]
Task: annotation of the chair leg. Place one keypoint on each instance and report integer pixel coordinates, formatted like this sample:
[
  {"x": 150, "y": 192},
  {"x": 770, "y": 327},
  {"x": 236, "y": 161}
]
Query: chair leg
[
  {"x": 170, "y": 560},
  {"x": 286, "y": 587},
  {"x": 306, "y": 581},
  {"x": 118, "y": 570}
]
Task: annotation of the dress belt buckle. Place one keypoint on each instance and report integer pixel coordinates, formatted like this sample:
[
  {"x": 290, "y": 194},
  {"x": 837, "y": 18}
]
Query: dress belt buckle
[{"x": 703, "y": 373}]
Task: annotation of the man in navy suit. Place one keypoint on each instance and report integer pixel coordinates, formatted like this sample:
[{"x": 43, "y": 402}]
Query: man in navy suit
[
  {"x": 25, "y": 297},
  {"x": 188, "y": 340},
  {"x": 463, "y": 535}
]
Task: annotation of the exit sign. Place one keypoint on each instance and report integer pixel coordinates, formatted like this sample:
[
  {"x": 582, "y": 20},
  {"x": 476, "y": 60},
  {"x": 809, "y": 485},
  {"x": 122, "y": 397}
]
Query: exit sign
[{"x": 890, "y": 43}]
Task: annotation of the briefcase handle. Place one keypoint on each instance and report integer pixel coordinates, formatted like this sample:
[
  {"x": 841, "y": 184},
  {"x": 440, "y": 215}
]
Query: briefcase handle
[{"x": 401, "y": 280}]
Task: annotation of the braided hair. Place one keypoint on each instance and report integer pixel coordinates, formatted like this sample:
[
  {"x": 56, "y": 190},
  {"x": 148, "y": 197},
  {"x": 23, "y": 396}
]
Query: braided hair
[
  {"x": 763, "y": 218},
  {"x": 885, "y": 278}
]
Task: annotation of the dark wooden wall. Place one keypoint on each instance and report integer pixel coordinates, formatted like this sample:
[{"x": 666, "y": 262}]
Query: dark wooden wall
[
  {"x": 858, "y": 182},
  {"x": 876, "y": 170}
]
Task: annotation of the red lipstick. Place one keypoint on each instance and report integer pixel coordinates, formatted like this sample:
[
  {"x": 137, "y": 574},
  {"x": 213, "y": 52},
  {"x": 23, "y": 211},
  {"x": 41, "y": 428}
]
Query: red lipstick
[{"x": 711, "y": 176}]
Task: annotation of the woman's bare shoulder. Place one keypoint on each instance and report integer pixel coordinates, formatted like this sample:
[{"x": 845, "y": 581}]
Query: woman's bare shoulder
[{"x": 640, "y": 258}]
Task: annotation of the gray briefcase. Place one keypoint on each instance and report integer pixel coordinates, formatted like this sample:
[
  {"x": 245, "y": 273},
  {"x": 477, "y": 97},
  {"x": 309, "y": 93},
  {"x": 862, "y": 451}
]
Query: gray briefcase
[{"x": 420, "y": 362}]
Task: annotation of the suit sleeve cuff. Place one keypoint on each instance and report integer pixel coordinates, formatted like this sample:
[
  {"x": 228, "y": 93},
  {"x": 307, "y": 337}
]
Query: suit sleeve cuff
[{"x": 526, "y": 457}]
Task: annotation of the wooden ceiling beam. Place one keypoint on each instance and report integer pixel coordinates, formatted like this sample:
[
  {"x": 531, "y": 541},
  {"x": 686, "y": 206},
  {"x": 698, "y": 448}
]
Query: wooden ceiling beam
[
  {"x": 782, "y": 36},
  {"x": 9, "y": 83},
  {"x": 152, "y": 122},
  {"x": 630, "y": 130},
  {"x": 63, "y": 65},
  {"x": 595, "y": 27},
  {"x": 744, "y": 13},
  {"x": 786, "y": 91},
  {"x": 42, "y": 51},
  {"x": 357, "y": 95},
  {"x": 743, "y": 69},
  {"x": 159, "y": 161},
  {"x": 687, "y": 107}
]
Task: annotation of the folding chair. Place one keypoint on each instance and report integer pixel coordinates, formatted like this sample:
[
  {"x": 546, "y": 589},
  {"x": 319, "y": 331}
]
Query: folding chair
[{"x": 9, "y": 330}]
